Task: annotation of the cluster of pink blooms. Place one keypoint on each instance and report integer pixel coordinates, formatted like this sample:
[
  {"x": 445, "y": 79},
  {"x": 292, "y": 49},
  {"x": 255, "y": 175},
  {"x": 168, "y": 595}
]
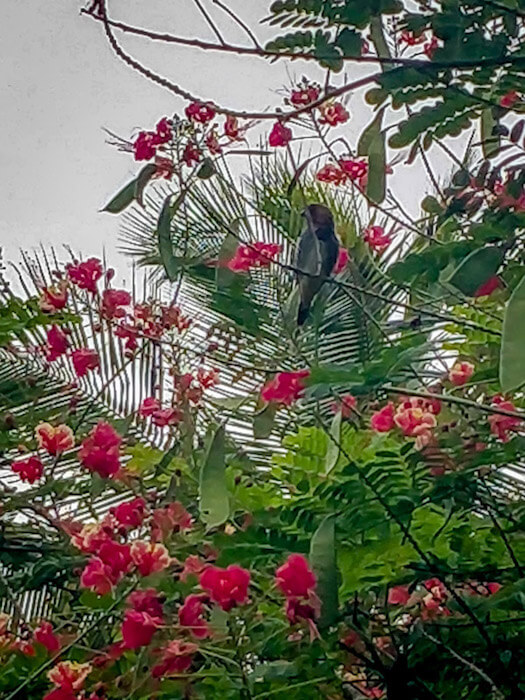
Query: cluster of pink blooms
[
  {"x": 55, "y": 440},
  {"x": 429, "y": 45},
  {"x": 431, "y": 599},
  {"x": 345, "y": 404},
  {"x": 415, "y": 417},
  {"x": 460, "y": 373},
  {"x": 297, "y": 581},
  {"x": 68, "y": 678},
  {"x": 257, "y": 254},
  {"x": 285, "y": 387},
  {"x": 146, "y": 144},
  {"x": 43, "y": 635},
  {"x": 500, "y": 425},
  {"x": 377, "y": 238}
]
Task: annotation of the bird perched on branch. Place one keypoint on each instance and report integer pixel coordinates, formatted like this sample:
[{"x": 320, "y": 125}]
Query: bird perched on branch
[{"x": 317, "y": 251}]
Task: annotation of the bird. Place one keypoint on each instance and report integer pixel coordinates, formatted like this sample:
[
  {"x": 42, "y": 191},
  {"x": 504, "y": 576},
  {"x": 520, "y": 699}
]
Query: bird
[{"x": 316, "y": 255}]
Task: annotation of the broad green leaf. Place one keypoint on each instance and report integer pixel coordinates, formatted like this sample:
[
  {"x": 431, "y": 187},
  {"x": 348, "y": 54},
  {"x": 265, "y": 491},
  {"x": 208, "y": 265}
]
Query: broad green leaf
[
  {"x": 323, "y": 561},
  {"x": 223, "y": 275},
  {"x": 476, "y": 269},
  {"x": 489, "y": 143},
  {"x": 207, "y": 169},
  {"x": 214, "y": 504},
  {"x": 334, "y": 442},
  {"x": 169, "y": 261},
  {"x": 512, "y": 366},
  {"x": 376, "y": 185},
  {"x": 142, "y": 180},
  {"x": 370, "y": 133},
  {"x": 378, "y": 39},
  {"x": 263, "y": 421}
]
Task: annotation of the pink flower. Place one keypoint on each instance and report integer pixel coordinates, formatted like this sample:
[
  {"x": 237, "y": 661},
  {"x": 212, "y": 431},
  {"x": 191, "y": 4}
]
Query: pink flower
[
  {"x": 148, "y": 407},
  {"x": 149, "y": 557},
  {"x": 91, "y": 537},
  {"x": 410, "y": 39},
  {"x": 193, "y": 565},
  {"x": 99, "y": 452},
  {"x": 509, "y": 99},
  {"x": 145, "y": 145},
  {"x": 207, "y": 377},
  {"x": 54, "y": 441},
  {"x": 54, "y": 298},
  {"x": 130, "y": 514},
  {"x": 382, "y": 421},
  {"x": 69, "y": 675},
  {"x": 200, "y": 112},
  {"x": 280, "y": 135},
  {"x": 112, "y": 302},
  {"x": 166, "y": 416},
  {"x": 331, "y": 173},
  {"x": 57, "y": 343},
  {"x": 176, "y": 657},
  {"x": 345, "y": 404},
  {"x": 44, "y": 635},
  {"x": 191, "y": 616},
  {"x": 460, "y": 373},
  {"x": 500, "y": 425},
  {"x": 85, "y": 275},
  {"x": 430, "y": 47},
  {"x": 172, "y": 518},
  {"x": 212, "y": 142},
  {"x": 163, "y": 131},
  {"x": 488, "y": 287},
  {"x": 333, "y": 113},
  {"x": 138, "y": 628},
  {"x": 84, "y": 360},
  {"x": 303, "y": 96},
  {"x": 231, "y": 128},
  {"x": 398, "y": 595},
  {"x": 376, "y": 238},
  {"x": 295, "y": 578},
  {"x": 356, "y": 170},
  {"x": 227, "y": 587},
  {"x": 163, "y": 167},
  {"x": 258, "y": 254},
  {"x": 297, "y": 610},
  {"x": 342, "y": 260},
  {"x": 285, "y": 387},
  {"x": 146, "y": 600},
  {"x": 30, "y": 469},
  {"x": 191, "y": 154}
]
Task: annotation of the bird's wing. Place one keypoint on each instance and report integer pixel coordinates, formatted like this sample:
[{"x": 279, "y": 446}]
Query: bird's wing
[
  {"x": 308, "y": 256},
  {"x": 329, "y": 252}
]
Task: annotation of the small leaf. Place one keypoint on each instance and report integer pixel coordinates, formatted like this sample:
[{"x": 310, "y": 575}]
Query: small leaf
[
  {"x": 431, "y": 205},
  {"x": 207, "y": 169},
  {"x": 323, "y": 561},
  {"x": 122, "y": 199},
  {"x": 263, "y": 421},
  {"x": 223, "y": 275},
  {"x": 334, "y": 442},
  {"x": 512, "y": 366},
  {"x": 478, "y": 267},
  {"x": 169, "y": 261},
  {"x": 517, "y": 131},
  {"x": 376, "y": 184},
  {"x": 370, "y": 133},
  {"x": 142, "y": 180},
  {"x": 214, "y": 504},
  {"x": 489, "y": 142}
]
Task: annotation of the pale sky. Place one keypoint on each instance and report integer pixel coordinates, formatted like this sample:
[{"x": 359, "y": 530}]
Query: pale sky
[{"x": 61, "y": 84}]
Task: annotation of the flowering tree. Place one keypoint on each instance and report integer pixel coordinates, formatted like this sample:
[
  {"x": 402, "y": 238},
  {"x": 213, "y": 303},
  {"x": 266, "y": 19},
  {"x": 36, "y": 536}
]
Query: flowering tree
[{"x": 221, "y": 504}]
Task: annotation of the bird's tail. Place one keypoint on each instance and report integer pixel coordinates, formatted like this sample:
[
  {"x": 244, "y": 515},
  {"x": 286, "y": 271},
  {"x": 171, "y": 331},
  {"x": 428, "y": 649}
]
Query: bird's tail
[{"x": 302, "y": 314}]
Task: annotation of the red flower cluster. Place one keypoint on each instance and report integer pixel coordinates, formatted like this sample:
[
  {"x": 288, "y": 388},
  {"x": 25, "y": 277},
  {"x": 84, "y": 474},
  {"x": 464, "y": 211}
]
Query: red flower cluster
[
  {"x": 226, "y": 587},
  {"x": 509, "y": 99},
  {"x": 342, "y": 260},
  {"x": 500, "y": 425},
  {"x": 45, "y": 636},
  {"x": 280, "y": 135},
  {"x": 346, "y": 405},
  {"x": 169, "y": 519},
  {"x": 130, "y": 514},
  {"x": 149, "y": 557},
  {"x": 416, "y": 417},
  {"x": 112, "y": 302},
  {"x": 104, "y": 571},
  {"x": 85, "y": 275},
  {"x": 138, "y": 628},
  {"x": 430, "y": 47},
  {"x": 84, "y": 360},
  {"x": 411, "y": 39},
  {"x": 193, "y": 566},
  {"x": 54, "y": 298},
  {"x": 99, "y": 452},
  {"x": 332, "y": 173},
  {"x": 297, "y": 581},
  {"x": 357, "y": 170},
  {"x": 333, "y": 113},
  {"x": 460, "y": 373},
  {"x": 53, "y": 440},
  {"x": 90, "y": 537},
  {"x": 376, "y": 238},
  {"x": 161, "y": 417},
  {"x": 200, "y": 112},
  {"x": 191, "y": 616},
  {"x": 304, "y": 95},
  {"x": 232, "y": 129},
  {"x": 69, "y": 676},
  {"x": 57, "y": 343},
  {"x": 191, "y": 154},
  {"x": 176, "y": 657},
  {"x": 30, "y": 469},
  {"x": 285, "y": 387},
  {"x": 146, "y": 143},
  {"x": 257, "y": 254},
  {"x": 146, "y": 600}
]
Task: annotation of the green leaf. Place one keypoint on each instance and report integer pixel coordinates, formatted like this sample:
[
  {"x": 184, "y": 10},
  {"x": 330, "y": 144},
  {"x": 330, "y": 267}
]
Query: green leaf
[
  {"x": 431, "y": 205},
  {"x": 323, "y": 561},
  {"x": 489, "y": 143},
  {"x": 207, "y": 169},
  {"x": 263, "y": 421},
  {"x": 142, "y": 180},
  {"x": 370, "y": 133},
  {"x": 512, "y": 366},
  {"x": 223, "y": 275},
  {"x": 169, "y": 261},
  {"x": 214, "y": 504},
  {"x": 334, "y": 442},
  {"x": 376, "y": 185},
  {"x": 476, "y": 269},
  {"x": 378, "y": 39}
]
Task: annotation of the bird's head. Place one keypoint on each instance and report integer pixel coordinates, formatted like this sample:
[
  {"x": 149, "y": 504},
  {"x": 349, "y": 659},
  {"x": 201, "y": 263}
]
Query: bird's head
[{"x": 319, "y": 215}]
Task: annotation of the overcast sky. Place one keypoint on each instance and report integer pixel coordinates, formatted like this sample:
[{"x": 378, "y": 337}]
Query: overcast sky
[{"x": 61, "y": 84}]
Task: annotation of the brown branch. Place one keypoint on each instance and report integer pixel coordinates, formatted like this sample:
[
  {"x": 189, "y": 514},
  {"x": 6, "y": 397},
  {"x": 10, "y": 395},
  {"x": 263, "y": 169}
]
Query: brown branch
[{"x": 210, "y": 21}]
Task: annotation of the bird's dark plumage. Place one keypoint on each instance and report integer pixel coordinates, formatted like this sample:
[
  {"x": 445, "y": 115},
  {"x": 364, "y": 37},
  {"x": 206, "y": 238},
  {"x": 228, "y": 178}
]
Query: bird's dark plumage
[{"x": 317, "y": 251}]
